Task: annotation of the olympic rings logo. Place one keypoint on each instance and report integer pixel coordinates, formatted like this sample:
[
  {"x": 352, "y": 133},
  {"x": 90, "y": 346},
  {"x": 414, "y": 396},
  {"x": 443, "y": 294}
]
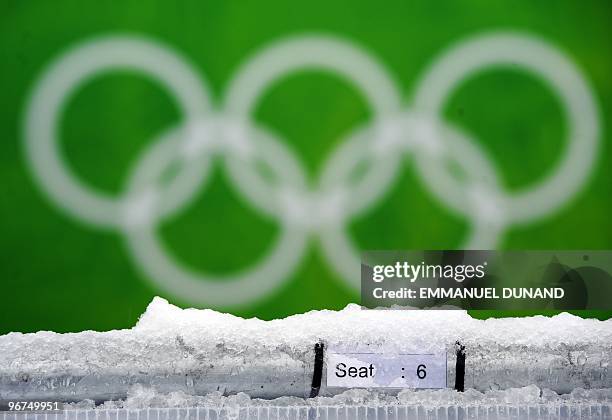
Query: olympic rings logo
[{"x": 398, "y": 128}]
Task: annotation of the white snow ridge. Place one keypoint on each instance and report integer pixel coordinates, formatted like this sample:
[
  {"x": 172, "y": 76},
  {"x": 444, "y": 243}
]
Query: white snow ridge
[{"x": 202, "y": 364}]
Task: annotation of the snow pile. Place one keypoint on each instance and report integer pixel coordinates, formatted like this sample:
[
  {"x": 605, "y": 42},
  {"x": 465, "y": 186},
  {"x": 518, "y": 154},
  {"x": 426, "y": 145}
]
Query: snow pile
[
  {"x": 401, "y": 329},
  {"x": 202, "y": 351},
  {"x": 140, "y": 397},
  {"x": 213, "y": 333}
]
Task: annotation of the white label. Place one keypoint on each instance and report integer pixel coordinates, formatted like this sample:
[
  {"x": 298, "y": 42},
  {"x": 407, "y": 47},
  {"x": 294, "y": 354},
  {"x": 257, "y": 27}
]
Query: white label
[{"x": 379, "y": 370}]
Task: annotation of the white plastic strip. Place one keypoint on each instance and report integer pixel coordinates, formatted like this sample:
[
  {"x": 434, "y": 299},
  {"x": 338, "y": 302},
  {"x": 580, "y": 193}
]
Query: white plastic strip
[{"x": 417, "y": 412}]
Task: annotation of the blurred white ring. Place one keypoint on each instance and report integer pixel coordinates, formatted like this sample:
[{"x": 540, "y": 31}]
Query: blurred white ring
[
  {"x": 559, "y": 73},
  {"x": 486, "y": 222},
  {"x": 62, "y": 79},
  {"x": 299, "y": 54},
  {"x": 169, "y": 275}
]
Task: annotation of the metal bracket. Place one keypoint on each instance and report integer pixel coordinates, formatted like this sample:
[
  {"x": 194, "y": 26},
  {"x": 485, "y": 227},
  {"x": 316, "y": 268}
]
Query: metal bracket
[
  {"x": 460, "y": 367},
  {"x": 317, "y": 375}
]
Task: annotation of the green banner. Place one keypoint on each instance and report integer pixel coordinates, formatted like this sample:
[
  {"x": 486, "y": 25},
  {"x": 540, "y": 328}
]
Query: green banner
[{"x": 241, "y": 155}]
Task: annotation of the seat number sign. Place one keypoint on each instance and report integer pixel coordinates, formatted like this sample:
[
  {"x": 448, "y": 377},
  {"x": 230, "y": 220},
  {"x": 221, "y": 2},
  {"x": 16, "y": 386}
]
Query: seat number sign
[{"x": 379, "y": 370}]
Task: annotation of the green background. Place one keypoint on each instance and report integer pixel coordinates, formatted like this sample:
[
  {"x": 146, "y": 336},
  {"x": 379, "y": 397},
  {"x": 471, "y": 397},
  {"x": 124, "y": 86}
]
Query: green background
[{"x": 58, "y": 274}]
